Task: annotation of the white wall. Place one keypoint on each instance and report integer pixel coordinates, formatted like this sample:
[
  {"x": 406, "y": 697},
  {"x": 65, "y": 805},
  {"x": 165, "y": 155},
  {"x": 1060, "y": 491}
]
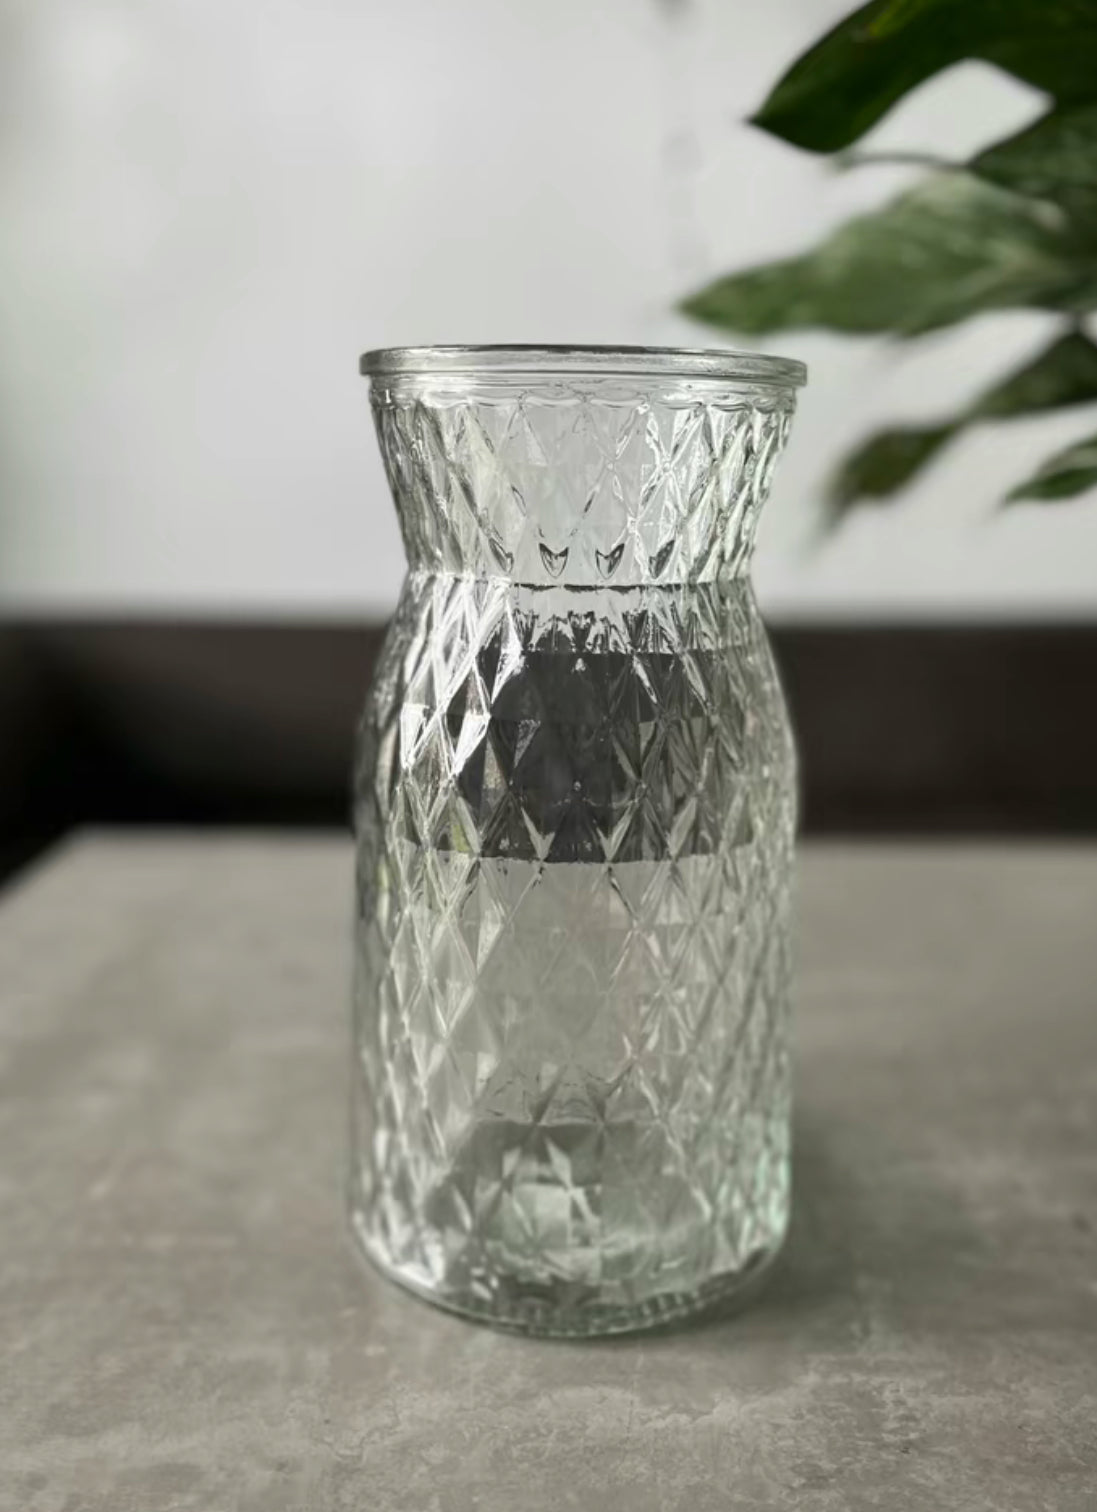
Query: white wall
[{"x": 209, "y": 207}]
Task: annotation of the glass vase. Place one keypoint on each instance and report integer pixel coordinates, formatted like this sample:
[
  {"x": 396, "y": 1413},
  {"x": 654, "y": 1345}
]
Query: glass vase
[{"x": 575, "y": 805}]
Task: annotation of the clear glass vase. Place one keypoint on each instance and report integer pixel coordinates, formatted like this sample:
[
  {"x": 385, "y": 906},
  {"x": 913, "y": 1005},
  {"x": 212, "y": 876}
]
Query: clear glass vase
[{"x": 575, "y": 804}]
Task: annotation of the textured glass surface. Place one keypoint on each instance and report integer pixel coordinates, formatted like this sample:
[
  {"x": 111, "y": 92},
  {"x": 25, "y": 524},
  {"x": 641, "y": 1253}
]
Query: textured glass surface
[{"x": 575, "y": 810}]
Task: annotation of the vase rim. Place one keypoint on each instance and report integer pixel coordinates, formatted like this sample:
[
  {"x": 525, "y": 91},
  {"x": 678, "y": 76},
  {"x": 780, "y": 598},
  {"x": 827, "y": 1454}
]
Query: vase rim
[{"x": 751, "y": 368}]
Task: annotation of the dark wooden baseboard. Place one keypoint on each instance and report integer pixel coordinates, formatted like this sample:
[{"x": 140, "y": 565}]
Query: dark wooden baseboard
[{"x": 903, "y": 729}]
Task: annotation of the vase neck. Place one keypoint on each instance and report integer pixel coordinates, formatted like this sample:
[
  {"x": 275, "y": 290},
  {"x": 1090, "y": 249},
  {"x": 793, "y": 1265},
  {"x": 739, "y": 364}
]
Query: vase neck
[
  {"x": 449, "y": 613},
  {"x": 580, "y": 483}
]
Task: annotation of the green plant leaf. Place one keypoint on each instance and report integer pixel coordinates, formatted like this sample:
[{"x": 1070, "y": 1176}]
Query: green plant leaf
[
  {"x": 849, "y": 80},
  {"x": 1064, "y": 374},
  {"x": 1056, "y": 159},
  {"x": 949, "y": 248},
  {"x": 884, "y": 463},
  {"x": 1063, "y": 476}
]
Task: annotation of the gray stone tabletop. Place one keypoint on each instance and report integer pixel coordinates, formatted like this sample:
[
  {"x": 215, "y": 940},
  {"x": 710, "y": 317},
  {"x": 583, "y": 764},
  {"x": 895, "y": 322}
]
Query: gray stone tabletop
[{"x": 183, "y": 1324}]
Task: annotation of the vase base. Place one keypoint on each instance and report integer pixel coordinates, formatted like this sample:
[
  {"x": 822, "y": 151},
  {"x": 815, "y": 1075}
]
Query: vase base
[{"x": 524, "y": 1309}]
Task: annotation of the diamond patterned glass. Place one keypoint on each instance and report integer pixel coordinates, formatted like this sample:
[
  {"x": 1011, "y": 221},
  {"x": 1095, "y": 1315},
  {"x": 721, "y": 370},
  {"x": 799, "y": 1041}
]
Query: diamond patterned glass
[{"x": 574, "y": 797}]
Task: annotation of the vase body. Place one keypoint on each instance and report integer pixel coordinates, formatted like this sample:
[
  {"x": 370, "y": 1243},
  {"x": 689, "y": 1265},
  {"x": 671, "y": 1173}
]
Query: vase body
[{"x": 575, "y": 806}]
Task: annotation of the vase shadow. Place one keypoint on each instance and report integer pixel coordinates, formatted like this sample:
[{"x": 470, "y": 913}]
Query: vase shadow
[{"x": 875, "y": 1236}]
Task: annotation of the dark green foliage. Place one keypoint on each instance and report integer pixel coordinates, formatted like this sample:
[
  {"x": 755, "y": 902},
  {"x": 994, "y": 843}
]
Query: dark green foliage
[
  {"x": 849, "y": 80},
  {"x": 1016, "y": 229}
]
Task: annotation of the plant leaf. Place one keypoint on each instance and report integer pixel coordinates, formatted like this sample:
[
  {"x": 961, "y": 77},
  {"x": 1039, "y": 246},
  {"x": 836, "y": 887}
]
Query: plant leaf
[
  {"x": 1062, "y": 375},
  {"x": 884, "y": 463},
  {"x": 1068, "y": 473},
  {"x": 1056, "y": 159},
  {"x": 849, "y": 80},
  {"x": 947, "y": 249}
]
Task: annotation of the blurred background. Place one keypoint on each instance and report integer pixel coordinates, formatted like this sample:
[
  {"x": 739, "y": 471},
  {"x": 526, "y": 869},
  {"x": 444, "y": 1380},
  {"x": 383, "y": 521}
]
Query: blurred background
[{"x": 208, "y": 210}]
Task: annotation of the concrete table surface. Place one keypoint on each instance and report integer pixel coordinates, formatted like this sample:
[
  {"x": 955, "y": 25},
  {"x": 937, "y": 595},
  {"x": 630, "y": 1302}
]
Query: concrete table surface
[{"x": 183, "y": 1325}]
